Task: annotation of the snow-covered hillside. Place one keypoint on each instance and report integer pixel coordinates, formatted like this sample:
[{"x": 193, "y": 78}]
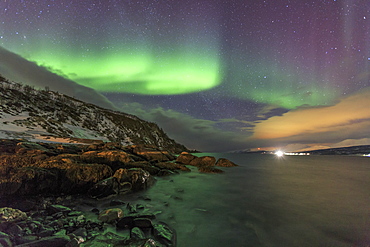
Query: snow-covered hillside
[{"x": 46, "y": 115}]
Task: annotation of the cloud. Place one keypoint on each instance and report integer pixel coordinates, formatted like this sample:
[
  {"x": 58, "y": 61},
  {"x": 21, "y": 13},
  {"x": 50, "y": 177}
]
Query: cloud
[
  {"x": 194, "y": 133},
  {"x": 348, "y": 119},
  {"x": 16, "y": 68}
]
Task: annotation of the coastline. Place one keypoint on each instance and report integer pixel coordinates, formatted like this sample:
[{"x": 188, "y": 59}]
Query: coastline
[{"x": 67, "y": 194}]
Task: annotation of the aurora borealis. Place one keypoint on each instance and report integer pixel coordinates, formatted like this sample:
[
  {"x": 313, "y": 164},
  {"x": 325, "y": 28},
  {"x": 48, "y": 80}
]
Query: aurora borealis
[{"x": 225, "y": 74}]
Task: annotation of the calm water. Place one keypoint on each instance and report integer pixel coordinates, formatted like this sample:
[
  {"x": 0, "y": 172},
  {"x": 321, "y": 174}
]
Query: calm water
[{"x": 266, "y": 201}]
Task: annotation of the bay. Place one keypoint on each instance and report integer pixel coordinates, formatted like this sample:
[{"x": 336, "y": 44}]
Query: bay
[{"x": 269, "y": 201}]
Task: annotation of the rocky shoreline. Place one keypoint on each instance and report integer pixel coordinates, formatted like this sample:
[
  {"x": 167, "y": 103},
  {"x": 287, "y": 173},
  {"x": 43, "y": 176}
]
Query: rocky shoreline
[{"x": 66, "y": 194}]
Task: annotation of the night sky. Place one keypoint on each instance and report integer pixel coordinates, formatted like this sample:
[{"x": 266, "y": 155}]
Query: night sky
[{"x": 216, "y": 75}]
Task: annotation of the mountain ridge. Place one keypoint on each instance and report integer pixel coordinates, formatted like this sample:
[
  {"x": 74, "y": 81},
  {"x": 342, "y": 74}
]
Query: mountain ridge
[{"x": 34, "y": 114}]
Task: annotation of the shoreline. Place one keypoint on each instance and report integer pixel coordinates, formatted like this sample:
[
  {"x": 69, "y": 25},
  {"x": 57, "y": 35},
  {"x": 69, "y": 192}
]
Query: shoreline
[{"x": 99, "y": 172}]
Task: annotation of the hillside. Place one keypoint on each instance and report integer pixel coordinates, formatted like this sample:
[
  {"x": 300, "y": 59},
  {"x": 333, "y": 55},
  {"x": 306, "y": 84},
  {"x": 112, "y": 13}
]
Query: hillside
[{"x": 27, "y": 113}]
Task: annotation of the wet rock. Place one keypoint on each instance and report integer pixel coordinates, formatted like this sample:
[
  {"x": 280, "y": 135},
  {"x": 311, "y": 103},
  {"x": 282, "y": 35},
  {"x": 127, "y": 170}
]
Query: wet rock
[
  {"x": 58, "y": 209},
  {"x": 137, "y": 233},
  {"x": 116, "y": 203},
  {"x": 225, "y": 163},
  {"x": 143, "y": 223},
  {"x": 55, "y": 241},
  {"x": 45, "y": 231},
  {"x": 204, "y": 161},
  {"x": 209, "y": 170},
  {"x": 107, "y": 239},
  {"x": 104, "y": 188},
  {"x": 5, "y": 240},
  {"x": 123, "y": 181},
  {"x": 75, "y": 242},
  {"x": 138, "y": 178},
  {"x": 185, "y": 158},
  {"x": 11, "y": 215},
  {"x": 128, "y": 221},
  {"x": 172, "y": 166},
  {"x": 164, "y": 234},
  {"x": 110, "y": 215}
]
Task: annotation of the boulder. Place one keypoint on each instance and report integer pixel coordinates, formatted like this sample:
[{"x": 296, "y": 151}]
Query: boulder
[
  {"x": 30, "y": 181},
  {"x": 209, "y": 169},
  {"x": 225, "y": 163},
  {"x": 138, "y": 178},
  {"x": 172, "y": 166},
  {"x": 204, "y": 161},
  {"x": 108, "y": 156},
  {"x": 11, "y": 215},
  {"x": 185, "y": 158},
  {"x": 123, "y": 181},
  {"x": 152, "y": 153},
  {"x": 110, "y": 215}
]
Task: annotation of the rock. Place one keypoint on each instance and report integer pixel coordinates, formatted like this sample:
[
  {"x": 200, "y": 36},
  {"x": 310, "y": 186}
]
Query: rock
[
  {"x": 75, "y": 242},
  {"x": 107, "y": 239},
  {"x": 225, "y": 163},
  {"x": 164, "y": 234},
  {"x": 45, "y": 232},
  {"x": 116, "y": 203},
  {"x": 11, "y": 215},
  {"x": 172, "y": 166},
  {"x": 80, "y": 177},
  {"x": 108, "y": 156},
  {"x": 55, "y": 241},
  {"x": 110, "y": 215},
  {"x": 143, "y": 223},
  {"x": 152, "y": 153},
  {"x": 138, "y": 178},
  {"x": 185, "y": 158},
  {"x": 11, "y": 228},
  {"x": 80, "y": 232},
  {"x": 203, "y": 161},
  {"x": 128, "y": 221},
  {"x": 137, "y": 233},
  {"x": 123, "y": 181},
  {"x": 58, "y": 208},
  {"x": 29, "y": 181},
  {"x": 104, "y": 188},
  {"x": 5, "y": 240},
  {"x": 207, "y": 169}
]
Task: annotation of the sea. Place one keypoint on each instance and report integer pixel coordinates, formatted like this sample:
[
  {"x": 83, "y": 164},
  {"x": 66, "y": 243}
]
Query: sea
[{"x": 268, "y": 201}]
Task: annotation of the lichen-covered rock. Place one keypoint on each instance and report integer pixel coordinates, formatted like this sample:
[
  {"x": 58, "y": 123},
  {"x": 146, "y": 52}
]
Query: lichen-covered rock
[
  {"x": 11, "y": 215},
  {"x": 152, "y": 153},
  {"x": 108, "y": 156},
  {"x": 203, "y": 161},
  {"x": 29, "y": 180},
  {"x": 185, "y": 158},
  {"x": 225, "y": 163}
]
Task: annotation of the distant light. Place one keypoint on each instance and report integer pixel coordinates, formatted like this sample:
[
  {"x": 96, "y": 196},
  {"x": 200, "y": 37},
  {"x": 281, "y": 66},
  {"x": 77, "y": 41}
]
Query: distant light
[{"x": 279, "y": 153}]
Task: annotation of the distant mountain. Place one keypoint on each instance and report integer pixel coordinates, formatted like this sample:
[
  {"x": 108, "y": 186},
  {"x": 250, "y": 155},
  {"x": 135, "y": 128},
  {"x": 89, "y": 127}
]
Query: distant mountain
[
  {"x": 27, "y": 113},
  {"x": 353, "y": 150},
  {"x": 364, "y": 149}
]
